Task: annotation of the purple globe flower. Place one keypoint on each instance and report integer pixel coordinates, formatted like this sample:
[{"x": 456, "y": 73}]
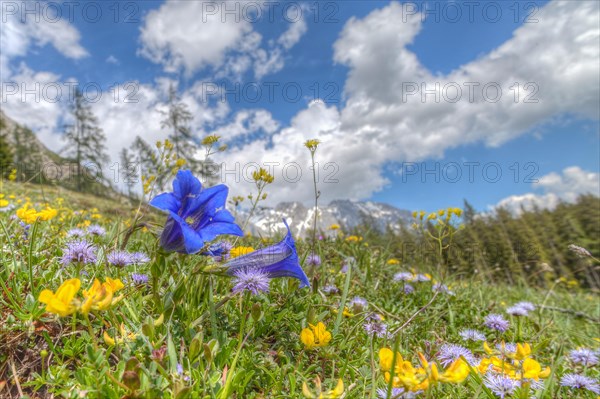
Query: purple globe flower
[
  {"x": 139, "y": 258},
  {"x": 139, "y": 279},
  {"x": 75, "y": 233},
  {"x": 583, "y": 356},
  {"x": 449, "y": 353},
  {"x": 313, "y": 260},
  {"x": 397, "y": 393},
  {"x": 219, "y": 250},
  {"x": 119, "y": 258},
  {"x": 472, "y": 335},
  {"x": 253, "y": 280},
  {"x": 496, "y": 322},
  {"x": 79, "y": 252},
  {"x": 96, "y": 230},
  {"x": 358, "y": 304},
  {"x": 577, "y": 381},
  {"x": 196, "y": 214},
  {"x": 330, "y": 290},
  {"x": 279, "y": 260},
  {"x": 403, "y": 276},
  {"x": 500, "y": 385},
  {"x": 408, "y": 289},
  {"x": 437, "y": 287},
  {"x": 377, "y": 329}
]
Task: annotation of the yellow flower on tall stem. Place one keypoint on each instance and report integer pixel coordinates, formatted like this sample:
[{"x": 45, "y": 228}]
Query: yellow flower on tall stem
[{"x": 62, "y": 302}]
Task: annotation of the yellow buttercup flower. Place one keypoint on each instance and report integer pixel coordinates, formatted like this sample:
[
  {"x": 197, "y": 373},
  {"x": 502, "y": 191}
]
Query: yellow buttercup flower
[
  {"x": 62, "y": 302},
  {"x": 239, "y": 251},
  {"x": 334, "y": 227},
  {"x": 393, "y": 261},
  {"x": 3, "y": 203},
  {"x": 315, "y": 336}
]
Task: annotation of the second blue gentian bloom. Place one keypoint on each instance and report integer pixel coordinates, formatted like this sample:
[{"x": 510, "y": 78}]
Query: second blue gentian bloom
[
  {"x": 196, "y": 214},
  {"x": 279, "y": 260}
]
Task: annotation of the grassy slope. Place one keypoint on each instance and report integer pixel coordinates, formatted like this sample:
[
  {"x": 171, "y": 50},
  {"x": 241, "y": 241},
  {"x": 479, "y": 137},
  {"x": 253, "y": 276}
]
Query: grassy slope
[{"x": 272, "y": 362}]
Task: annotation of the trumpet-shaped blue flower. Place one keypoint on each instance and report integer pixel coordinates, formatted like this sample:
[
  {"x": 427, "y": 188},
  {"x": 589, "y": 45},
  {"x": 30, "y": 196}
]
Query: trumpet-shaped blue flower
[
  {"x": 279, "y": 260},
  {"x": 196, "y": 215}
]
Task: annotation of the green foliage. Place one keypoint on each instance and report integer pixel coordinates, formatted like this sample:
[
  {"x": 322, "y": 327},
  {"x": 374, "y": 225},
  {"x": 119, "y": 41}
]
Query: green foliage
[{"x": 185, "y": 335}]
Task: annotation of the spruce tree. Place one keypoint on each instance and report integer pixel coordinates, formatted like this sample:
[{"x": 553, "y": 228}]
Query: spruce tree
[
  {"x": 6, "y": 156},
  {"x": 86, "y": 141}
]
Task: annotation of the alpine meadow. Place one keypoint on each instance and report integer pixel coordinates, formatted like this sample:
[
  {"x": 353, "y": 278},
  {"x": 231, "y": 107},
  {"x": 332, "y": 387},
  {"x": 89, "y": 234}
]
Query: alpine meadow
[{"x": 315, "y": 199}]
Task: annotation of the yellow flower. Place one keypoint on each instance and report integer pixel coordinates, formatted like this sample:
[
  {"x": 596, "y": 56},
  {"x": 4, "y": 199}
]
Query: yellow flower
[
  {"x": 107, "y": 339},
  {"x": 532, "y": 369},
  {"x": 315, "y": 336},
  {"x": 100, "y": 296},
  {"x": 261, "y": 175},
  {"x": 414, "y": 214},
  {"x": 62, "y": 303},
  {"x": 334, "y": 227},
  {"x": 457, "y": 372},
  {"x": 239, "y": 251},
  {"x": 210, "y": 140},
  {"x": 523, "y": 351},
  {"x": 354, "y": 239},
  {"x": 312, "y": 144},
  {"x": 30, "y": 215},
  {"x": 333, "y": 394},
  {"x": 3, "y": 203},
  {"x": 393, "y": 261},
  {"x": 432, "y": 215}
]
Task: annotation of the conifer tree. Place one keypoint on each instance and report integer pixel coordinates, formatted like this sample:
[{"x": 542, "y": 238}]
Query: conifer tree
[{"x": 86, "y": 141}]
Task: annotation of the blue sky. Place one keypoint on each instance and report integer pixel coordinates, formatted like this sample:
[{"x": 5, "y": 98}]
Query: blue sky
[{"x": 354, "y": 68}]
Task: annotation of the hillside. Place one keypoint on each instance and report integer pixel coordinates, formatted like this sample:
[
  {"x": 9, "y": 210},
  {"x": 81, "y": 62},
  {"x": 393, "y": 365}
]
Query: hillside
[{"x": 35, "y": 163}]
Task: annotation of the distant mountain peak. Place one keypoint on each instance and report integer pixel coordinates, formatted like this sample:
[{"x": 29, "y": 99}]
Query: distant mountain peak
[{"x": 347, "y": 213}]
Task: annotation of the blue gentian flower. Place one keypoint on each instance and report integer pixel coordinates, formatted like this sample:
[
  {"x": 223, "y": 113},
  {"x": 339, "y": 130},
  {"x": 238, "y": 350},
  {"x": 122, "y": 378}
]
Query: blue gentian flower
[
  {"x": 279, "y": 260},
  {"x": 196, "y": 215}
]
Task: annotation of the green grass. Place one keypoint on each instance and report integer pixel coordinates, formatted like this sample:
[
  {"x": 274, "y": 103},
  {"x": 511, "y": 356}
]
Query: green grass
[{"x": 188, "y": 317}]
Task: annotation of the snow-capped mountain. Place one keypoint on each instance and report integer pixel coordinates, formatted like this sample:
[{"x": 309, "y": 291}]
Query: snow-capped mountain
[{"x": 348, "y": 214}]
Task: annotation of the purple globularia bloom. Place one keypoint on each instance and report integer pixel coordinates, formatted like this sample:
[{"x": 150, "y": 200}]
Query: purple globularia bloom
[
  {"x": 79, "y": 252},
  {"x": 506, "y": 348},
  {"x": 253, "y": 280},
  {"x": 577, "y": 381},
  {"x": 583, "y": 356},
  {"x": 358, "y": 304},
  {"x": 279, "y": 260},
  {"x": 397, "y": 393},
  {"x": 139, "y": 279},
  {"x": 196, "y": 215},
  {"x": 500, "y": 385},
  {"x": 442, "y": 288},
  {"x": 496, "y": 322},
  {"x": 403, "y": 276},
  {"x": 119, "y": 258},
  {"x": 313, "y": 260},
  {"x": 219, "y": 250},
  {"x": 472, "y": 335},
  {"x": 139, "y": 258},
  {"x": 75, "y": 233},
  {"x": 378, "y": 329},
  {"x": 330, "y": 290},
  {"x": 421, "y": 278},
  {"x": 521, "y": 309},
  {"x": 449, "y": 353},
  {"x": 96, "y": 230},
  {"x": 408, "y": 289}
]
